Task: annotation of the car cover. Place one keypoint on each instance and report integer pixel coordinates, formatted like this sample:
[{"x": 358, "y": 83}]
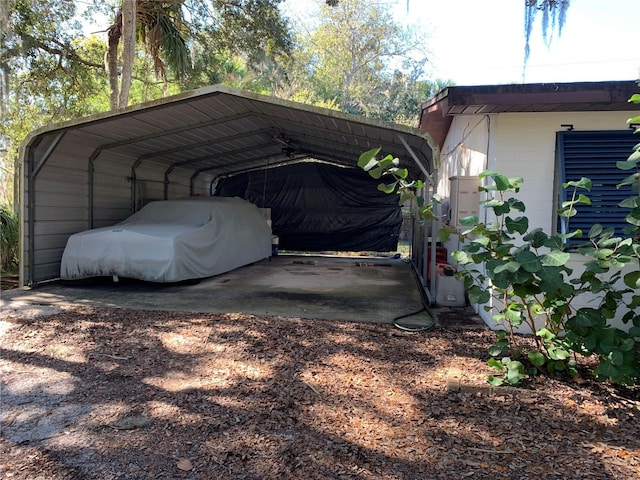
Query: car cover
[{"x": 171, "y": 241}]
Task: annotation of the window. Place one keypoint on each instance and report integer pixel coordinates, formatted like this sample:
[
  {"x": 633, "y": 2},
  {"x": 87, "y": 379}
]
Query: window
[{"x": 593, "y": 154}]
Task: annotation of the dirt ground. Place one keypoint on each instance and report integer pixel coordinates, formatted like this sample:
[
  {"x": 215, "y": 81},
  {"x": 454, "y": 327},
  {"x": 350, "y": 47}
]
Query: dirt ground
[
  {"x": 8, "y": 281},
  {"x": 129, "y": 394}
]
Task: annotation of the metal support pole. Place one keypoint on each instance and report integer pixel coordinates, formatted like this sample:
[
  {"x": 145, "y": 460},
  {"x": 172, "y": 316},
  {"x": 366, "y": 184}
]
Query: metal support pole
[{"x": 434, "y": 225}]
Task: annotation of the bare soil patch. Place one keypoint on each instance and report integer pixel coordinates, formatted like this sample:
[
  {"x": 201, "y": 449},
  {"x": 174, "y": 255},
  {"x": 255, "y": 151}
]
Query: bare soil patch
[{"x": 128, "y": 394}]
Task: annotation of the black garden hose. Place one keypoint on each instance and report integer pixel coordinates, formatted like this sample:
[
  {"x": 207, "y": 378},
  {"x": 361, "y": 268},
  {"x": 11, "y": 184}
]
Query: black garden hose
[{"x": 426, "y": 302}]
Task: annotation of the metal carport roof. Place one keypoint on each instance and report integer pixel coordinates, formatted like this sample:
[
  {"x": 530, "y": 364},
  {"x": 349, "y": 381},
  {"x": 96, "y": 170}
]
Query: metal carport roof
[{"x": 87, "y": 173}]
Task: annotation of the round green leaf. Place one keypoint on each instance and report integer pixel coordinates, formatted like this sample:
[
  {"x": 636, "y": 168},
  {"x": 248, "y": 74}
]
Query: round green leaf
[
  {"x": 634, "y": 331},
  {"x": 387, "y": 188},
  {"x": 528, "y": 261},
  {"x": 630, "y": 202},
  {"x": 634, "y": 217},
  {"x": 478, "y": 295},
  {"x": 367, "y": 160},
  {"x": 536, "y": 238},
  {"x": 558, "y": 353},
  {"x": 588, "y": 317},
  {"x": 469, "y": 221},
  {"x": 629, "y": 164},
  {"x": 607, "y": 369},
  {"x": 495, "y": 364},
  {"x": 514, "y": 316},
  {"x": 583, "y": 199},
  {"x": 502, "y": 182},
  {"x": 632, "y": 279},
  {"x": 551, "y": 279},
  {"x": 519, "y": 225},
  {"x": 495, "y": 350},
  {"x": 582, "y": 183},
  {"x": 388, "y": 161},
  {"x": 516, "y": 204},
  {"x": 556, "y": 366},
  {"x": 555, "y": 259},
  {"x": 590, "y": 342},
  {"x": 616, "y": 357},
  {"x": 537, "y": 358},
  {"x": 627, "y": 345},
  {"x": 376, "y": 172},
  {"x": 595, "y": 230}
]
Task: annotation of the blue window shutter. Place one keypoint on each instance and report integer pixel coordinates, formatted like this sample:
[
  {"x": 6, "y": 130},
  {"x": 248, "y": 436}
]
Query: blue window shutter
[{"x": 593, "y": 154}]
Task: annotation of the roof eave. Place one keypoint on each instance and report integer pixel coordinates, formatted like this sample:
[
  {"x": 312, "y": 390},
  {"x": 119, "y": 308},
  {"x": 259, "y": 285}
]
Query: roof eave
[{"x": 438, "y": 112}]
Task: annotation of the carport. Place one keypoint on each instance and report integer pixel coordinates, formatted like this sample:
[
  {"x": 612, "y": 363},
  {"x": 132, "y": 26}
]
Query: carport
[{"x": 96, "y": 171}]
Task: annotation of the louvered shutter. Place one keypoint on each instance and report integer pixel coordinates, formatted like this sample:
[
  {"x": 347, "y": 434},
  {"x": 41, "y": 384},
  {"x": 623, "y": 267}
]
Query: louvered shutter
[{"x": 593, "y": 154}]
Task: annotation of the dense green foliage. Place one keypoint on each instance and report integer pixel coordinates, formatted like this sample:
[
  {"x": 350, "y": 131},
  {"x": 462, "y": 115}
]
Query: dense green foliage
[
  {"x": 52, "y": 70},
  {"x": 9, "y": 239},
  {"x": 359, "y": 58},
  {"x": 525, "y": 278}
]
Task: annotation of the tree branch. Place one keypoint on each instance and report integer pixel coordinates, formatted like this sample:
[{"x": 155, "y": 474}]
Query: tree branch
[{"x": 63, "y": 51}]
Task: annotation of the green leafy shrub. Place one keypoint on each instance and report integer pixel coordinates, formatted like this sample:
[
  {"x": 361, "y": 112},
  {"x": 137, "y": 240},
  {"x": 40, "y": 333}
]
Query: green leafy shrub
[
  {"x": 525, "y": 274},
  {"x": 524, "y": 278},
  {"x": 9, "y": 239}
]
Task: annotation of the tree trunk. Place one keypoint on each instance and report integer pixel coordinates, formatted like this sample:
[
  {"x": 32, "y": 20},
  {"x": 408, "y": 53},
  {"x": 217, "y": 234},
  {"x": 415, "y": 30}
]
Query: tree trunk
[
  {"x": 111, "y": 60},
  {"x": 128, "y": 49}
]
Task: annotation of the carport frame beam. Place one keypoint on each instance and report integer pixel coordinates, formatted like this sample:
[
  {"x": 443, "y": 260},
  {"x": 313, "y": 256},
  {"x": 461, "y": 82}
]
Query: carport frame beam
[{"x": 434, "y": 224}]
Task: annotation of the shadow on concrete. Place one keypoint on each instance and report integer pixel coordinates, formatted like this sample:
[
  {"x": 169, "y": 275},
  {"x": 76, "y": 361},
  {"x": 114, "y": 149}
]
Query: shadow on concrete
[{"x": 358, "y": 289}]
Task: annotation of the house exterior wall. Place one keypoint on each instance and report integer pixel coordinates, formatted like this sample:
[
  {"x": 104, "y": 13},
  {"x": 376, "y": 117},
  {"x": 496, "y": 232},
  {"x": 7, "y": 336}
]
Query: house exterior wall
[{"x": 516, "y": 145}]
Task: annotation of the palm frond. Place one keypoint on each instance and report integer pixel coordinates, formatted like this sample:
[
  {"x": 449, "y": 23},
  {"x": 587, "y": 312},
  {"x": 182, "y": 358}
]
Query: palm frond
[{"x": 159, "y": 28}]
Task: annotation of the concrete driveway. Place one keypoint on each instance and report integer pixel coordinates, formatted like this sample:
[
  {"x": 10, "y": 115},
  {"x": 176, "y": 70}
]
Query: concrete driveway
[{"x": 360, "y": 289}]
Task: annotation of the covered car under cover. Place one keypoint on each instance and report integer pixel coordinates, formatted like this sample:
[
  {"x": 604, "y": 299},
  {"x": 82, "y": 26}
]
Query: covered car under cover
[{"x": 172, "y": 241}]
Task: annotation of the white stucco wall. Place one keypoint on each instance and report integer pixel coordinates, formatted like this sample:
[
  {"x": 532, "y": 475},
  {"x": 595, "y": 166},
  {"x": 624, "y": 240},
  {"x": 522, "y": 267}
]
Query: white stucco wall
[{"x": 516, "y": 145}]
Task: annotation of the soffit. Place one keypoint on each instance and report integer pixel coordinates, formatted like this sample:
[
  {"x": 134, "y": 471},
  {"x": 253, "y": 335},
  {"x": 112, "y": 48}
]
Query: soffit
[{"x": 438, "y": 112}]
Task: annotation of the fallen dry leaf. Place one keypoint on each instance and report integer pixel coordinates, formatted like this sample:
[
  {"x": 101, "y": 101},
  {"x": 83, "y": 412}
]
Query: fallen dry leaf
[{"x": 185, "y": 464}]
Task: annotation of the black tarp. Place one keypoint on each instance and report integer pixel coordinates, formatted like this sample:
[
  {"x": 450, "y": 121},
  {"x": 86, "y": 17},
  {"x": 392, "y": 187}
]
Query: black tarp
[{"x": 319, "y": 207}]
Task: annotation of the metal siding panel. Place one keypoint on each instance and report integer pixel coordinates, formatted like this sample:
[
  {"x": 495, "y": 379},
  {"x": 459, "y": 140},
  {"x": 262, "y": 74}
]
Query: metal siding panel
[
  {"x": 127, "y": 128},
  {"x": 58, "y": 241},
  {"x": 111, "y": 185},
  {"x": 50, "y": 213},
  {"x": 44, "y": 228},
  {"x": 180, "y": 183},
  {"x": 48, "y": 259},
  {"x": 60, "y": 193},
  {"x": 177, "y": 191},
  {"x": 151, "y": 171},
  {"x": 181, "y": 176},
  {"x": 48, "y": 186},
  {"x": 47, "y": 271},
  {"x": 50, "y": 255},
  {"x": 110, "y": 216},
  {"x": 55, "y": 175},
  {"x": 152, "y": 191},
  {"x": 111, "y": 207}
]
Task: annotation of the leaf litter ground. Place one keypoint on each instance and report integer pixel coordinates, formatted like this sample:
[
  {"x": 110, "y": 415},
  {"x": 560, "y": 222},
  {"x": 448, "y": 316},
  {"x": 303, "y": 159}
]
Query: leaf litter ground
[{"x": 128, "y": 394}]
